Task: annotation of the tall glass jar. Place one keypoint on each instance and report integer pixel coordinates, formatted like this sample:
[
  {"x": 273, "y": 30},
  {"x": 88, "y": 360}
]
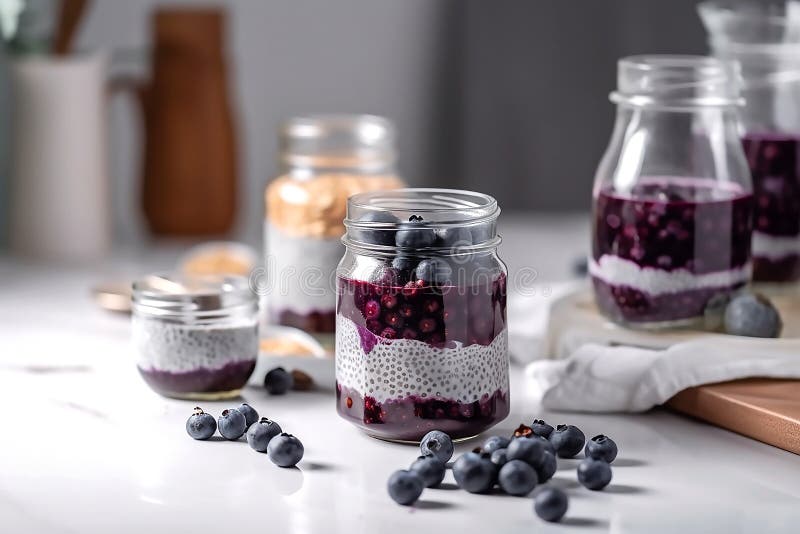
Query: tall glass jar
[
  {"x": 196, "y": 336},
  {"x": 766, "y": 42},
  {"x": 672, "y": 218},
  {"x": 326, "y": 159},
  {"x": 421, "y": 338}
]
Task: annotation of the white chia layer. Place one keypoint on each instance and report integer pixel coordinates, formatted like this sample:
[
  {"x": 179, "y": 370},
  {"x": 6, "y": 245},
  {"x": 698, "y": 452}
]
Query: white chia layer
[
  {"x": 179, "y": 348},
  {"x": 775, "y": 247},
  {"x": 399, "y": 368},
  {"x": 301, "y": 271},
  {"x": 616, "y": 271}
]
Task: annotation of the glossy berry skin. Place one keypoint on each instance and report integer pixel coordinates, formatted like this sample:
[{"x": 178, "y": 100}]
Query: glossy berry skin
[
  {"x": 438, "y": 444},
  {"x": 567, "y": 440},
  {"x": 430, "y": 469},
  {"x": 550, "y": 504},
  {"x": 601, "y": 448},
  {"x": 594, "y": 474},
  {"x": 231, "y": 424},
  {"x": 540, "y": 428},
  {"x": 250, "y": 414},
  {"x": 414, "y": 235},
  {"x": 261, "y": 432},
  {"x": 753, "y": 316},
  {"x": 474, "y": 472},
  {"x": 434, "y": 271},
  {"x": 405, "y": 487},
  {"x": 545, "y": 443},
  {"x": 457, "y": 236},
  {"x": 377, "y": 237},
  {"x": 285, "y": 450},
  {"x": 547, "y": 467},
  {"x": 201, "y": 425},
  {"x": 278, "y": 381},
  {"x": 528, "y": 450},
  {"x": 499, "y": 457},
  {"x": 494, "y": 443},
  {"x": 517, "y": 478}
]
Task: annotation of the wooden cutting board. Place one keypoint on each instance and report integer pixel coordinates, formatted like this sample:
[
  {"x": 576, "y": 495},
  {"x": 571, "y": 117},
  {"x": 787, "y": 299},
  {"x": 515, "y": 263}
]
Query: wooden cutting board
[{"x": 761, "y": 408}]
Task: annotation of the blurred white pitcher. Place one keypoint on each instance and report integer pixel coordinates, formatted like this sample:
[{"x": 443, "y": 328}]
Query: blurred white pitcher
[{"x": 60, "y": 203}]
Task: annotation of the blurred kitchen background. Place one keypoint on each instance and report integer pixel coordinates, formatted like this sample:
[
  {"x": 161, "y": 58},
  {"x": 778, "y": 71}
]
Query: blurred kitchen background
[{"x": 507, "y": 97}]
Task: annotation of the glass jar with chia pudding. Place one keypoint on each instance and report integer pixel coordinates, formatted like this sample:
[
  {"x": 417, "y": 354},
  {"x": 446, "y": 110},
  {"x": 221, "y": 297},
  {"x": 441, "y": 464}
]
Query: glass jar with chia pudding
[
  {"x": 421, "y": 338},
  {"x": 326, "y": 158},
  {"x": 196, "y": 336},
  {"x": 672, "y": 213},
  {"x": 765, "y": 40}
]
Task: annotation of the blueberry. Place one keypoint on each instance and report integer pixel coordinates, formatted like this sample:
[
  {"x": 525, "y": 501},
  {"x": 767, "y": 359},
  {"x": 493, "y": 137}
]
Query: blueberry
[
  {"x": 601, "y": 448},
  {"x": 405, "y": 487},
  {"x": 430, "y": 469},
  {"x": 499, "y": 457},
  {"x": 415, "y": 234},
  {"x": 201, "y": 425},
  {"x": 493, "y": 443},
  {"x": 474, "y": 472},
  {"x": 547, "y": 467},
  {"x": 550, "y": 504},
  {"x": 481, "y": 233},
  {"x": 528, "y": 450},
  {"x": 567, "y": 440},
  {"x": 453, "y": 237},
  {"x": 249, "y": 413},
  {"x": 752, "y": 315},
  {"x": 438, "y": 444},
  {"x": 594, "y": 474},
  {"x": 377, "y": 237},
  {"x": 261, "y": 432},
  {"x": 517, "y": 478},
  {"x": 545, "y": 443},
  {"x": 285, "y": 450},
  {"x": 434, "y": 271},
  {"x": 278, "y": 381},
  {"x": 540, "y": 428},
  {"x": 404, "y": 264},
  {"x": 232, "y": 424}
]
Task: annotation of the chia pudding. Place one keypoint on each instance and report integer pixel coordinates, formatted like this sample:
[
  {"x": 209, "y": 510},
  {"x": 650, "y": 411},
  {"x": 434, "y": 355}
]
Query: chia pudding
[
  {"x": 195, "y": 336},
  {"x": 661, "y": 251},
  {"x": 774, "y": 161}
]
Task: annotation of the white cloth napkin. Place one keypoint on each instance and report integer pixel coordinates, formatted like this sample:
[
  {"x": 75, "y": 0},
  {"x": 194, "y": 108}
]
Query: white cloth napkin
[{"x": 603, "y": 378}]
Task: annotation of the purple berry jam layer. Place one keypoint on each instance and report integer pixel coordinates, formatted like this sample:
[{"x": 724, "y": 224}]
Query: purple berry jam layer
[
  {"x": 410, "y": 418},
  {"x": 774, "y": 161},
  {"x": 662, "y": 250},
  {"x": 230, "y": 377}
]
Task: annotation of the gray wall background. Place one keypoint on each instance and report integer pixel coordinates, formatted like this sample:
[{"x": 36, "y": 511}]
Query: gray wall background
[{"x": 508, "y": 96}]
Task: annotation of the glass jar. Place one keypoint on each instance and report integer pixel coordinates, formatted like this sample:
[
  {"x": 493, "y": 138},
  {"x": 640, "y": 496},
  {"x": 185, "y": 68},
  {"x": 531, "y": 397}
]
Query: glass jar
[
  {"x": 421, "y": 339},
  {"x": 326, "y": 158},
  {"x": 196, "y": 337},
  {"x": 672, "y": 211},
  {"x": 766, "y": 43}
]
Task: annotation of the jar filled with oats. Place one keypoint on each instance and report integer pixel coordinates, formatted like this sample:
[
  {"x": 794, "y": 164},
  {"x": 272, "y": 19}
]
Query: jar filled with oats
[{"x": 326, "y": 159}]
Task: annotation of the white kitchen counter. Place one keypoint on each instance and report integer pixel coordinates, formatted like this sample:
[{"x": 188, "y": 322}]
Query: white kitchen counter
[{"x": 86, "y": 447}]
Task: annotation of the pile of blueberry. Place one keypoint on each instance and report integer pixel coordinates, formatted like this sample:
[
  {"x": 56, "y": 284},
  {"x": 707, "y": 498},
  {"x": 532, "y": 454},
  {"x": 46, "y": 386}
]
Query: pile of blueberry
[
  {"x": 263, "y": 435},
  {"x": 517, "y": 465},
  {"x": 752, "y": 315}
]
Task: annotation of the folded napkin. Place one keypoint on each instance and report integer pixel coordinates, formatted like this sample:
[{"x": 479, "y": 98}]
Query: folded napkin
[{"x": 600, "y": 378}]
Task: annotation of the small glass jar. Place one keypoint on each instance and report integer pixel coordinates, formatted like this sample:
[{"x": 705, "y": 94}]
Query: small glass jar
[
  {"x": 672, "y": 217},
  {"x": 196, "y": 337},
  {"x": 766, "y": 42},
  {"x": 421, "y": 338},
  {"x": 326, "y": 158}
]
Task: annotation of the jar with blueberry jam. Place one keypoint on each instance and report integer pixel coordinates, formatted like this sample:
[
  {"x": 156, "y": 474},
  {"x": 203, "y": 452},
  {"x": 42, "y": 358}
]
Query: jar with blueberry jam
[
  {"x": 421, "y": 337},
  {"x": 673, "y": 203},
  {"x": 195, "y": 336}
]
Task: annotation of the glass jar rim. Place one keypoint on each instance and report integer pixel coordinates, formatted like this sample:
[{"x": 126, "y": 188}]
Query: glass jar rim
[
  {"x": 677, "y": 82},
  {"x": 182, "y": 295}
]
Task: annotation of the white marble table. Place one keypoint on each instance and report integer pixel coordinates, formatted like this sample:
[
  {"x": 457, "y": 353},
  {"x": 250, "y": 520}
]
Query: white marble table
[{"x": 86, "y": 447}]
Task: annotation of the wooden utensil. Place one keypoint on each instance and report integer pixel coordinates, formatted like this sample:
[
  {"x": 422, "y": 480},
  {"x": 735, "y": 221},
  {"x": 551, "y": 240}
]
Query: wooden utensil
[{"x": 69, "y": 18}]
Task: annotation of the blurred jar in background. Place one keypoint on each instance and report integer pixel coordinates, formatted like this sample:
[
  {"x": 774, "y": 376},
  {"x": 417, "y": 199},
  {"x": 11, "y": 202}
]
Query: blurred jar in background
[
  {"x": 766, "y": 42},
  {"x": 672, "y": 196},
  {"x": 326, "y": 159}
]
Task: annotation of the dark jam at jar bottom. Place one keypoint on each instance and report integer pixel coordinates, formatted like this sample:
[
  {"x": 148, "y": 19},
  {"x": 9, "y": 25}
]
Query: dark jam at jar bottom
[
  {"x": 322, "y": 322},
  {"x": 628, "y": 305},
  {"x": 410, "y": 418},
  {"x": 230, "y": 377},
  {"x": 783, "y": 269}
]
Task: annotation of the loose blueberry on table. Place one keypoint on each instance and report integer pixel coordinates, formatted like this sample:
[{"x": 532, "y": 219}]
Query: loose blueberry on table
[
  {"x": 278, "y": 381},
  {"x": 437, "y": 444},
  {"x": 601, "y": 447},
  {"x": 430, "y": 469},
  {"x": 550, "y": 504},
  {"x": 260, "y": 433},
  {"x": 594, "y": 474},
  {"x": 528, "y": 450},
  {"x": 201, "y": 425},
  {"x": 568, "y": 440},
  {"x": 517, "y": 478},
  {"x": 232, "y": 424},
  {"x": 285, "y": 450},
  {"x": 474, "y": 472},
  {"x": 494, "y": 443},
  {"x": 405, "y": 487},
  {"x": 752, "y": 315},
  {"x": 540, "y": 428},
  {"x": 249, "y": 413}
]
